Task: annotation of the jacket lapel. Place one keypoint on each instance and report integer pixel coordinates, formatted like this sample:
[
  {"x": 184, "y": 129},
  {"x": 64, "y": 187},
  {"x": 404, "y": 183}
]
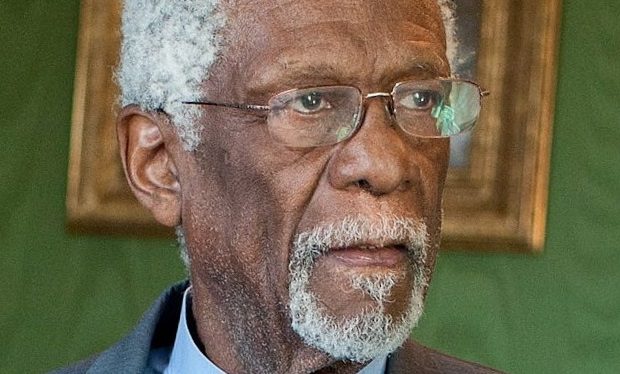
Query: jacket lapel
[
  {"x": 411, "y": 358},
  {"x": 157, "y": 328}
]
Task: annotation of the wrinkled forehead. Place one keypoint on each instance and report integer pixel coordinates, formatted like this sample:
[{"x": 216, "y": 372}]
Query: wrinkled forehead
[
  {"x": 282, "y": 14},
  {"x": 253, "y": 19},
  {"x": 348, "y": 35}
]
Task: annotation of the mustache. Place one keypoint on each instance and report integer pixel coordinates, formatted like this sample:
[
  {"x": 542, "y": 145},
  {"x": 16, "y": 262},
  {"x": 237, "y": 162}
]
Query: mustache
[{"x": 362, "y": 230}]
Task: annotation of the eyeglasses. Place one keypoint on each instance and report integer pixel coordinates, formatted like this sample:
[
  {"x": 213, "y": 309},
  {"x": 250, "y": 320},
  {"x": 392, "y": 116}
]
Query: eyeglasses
[{"x": 326, "y": 115}]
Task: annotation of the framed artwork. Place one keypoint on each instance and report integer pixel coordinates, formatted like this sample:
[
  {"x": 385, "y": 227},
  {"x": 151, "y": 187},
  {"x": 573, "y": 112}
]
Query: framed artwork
[{"x": 496, "y": 191}]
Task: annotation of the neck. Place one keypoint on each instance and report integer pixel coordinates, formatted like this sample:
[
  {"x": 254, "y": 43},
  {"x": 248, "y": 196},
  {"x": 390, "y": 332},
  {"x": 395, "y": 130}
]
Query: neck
[{"x": 243, "y": 335}]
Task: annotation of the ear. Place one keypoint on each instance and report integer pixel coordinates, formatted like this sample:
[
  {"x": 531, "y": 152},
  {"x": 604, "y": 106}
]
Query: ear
[{"x": 149, "y": 167}]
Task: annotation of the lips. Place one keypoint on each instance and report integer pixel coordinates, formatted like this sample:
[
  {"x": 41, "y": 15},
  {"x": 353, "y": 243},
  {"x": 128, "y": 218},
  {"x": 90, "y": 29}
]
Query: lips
[{"x": 369, "y": 255}]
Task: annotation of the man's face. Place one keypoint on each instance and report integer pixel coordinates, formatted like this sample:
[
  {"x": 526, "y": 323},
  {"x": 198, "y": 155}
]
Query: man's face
[{"x": 343, "y": 225}]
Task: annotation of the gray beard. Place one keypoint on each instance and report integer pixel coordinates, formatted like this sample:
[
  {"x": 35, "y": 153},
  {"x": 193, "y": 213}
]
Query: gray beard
[{"x": 372, "y": 332}]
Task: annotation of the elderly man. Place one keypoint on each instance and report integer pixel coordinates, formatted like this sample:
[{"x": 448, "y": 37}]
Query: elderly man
[{"x": 300, "y": 149}]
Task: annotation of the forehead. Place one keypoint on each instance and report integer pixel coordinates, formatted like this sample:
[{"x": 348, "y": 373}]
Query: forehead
[{"x": 284, "y": 43}]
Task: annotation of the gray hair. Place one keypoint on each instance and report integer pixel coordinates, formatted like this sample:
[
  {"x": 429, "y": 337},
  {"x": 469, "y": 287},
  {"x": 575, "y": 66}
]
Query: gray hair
[
  {"x": 169, "y": 46},
  {"x": 371, "y": 332},
  {"x": 167, "y": 49}
]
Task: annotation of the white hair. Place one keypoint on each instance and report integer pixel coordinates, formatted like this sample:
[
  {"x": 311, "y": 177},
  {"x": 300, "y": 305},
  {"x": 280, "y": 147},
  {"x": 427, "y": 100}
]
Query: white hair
[
  {"x": 372, "y": 332},
  {"x": 169, "y": 46},
  {"x": 182, "y": 242},
  {"x": 377, "y": 286},
  {"x": 448, "y": 14}
]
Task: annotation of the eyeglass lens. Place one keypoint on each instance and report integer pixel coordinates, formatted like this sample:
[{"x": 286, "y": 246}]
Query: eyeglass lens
[{"x": 327, "y": 115}]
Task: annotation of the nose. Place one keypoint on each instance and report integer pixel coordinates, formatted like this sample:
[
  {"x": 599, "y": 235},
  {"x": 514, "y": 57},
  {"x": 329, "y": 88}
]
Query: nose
[{"x": 377, "y": 159}]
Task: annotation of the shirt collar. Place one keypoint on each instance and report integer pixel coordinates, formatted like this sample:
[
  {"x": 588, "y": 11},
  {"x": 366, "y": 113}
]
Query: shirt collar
[{"x": 186, "y": 357}]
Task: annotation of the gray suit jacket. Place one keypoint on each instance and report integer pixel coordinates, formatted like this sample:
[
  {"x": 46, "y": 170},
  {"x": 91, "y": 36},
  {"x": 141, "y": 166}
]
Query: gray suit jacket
[{"x": 158, "y": 326}]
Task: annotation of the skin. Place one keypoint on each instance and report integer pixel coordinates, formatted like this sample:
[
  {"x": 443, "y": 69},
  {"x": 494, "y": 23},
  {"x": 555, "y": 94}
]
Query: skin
[{"x": 242, "y": 198}]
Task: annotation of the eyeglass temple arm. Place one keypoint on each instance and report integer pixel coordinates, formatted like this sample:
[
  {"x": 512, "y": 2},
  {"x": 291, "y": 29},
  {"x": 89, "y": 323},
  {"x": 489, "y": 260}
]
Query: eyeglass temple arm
[{"x": 228, "y": 105}]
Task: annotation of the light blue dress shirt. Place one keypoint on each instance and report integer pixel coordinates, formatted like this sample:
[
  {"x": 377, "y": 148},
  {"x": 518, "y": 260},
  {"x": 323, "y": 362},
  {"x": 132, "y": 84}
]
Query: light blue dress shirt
[{"x": 186, "y": 357}]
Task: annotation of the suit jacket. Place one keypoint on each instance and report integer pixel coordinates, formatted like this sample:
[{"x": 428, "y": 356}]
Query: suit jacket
[{"x": 158, "y": 329}]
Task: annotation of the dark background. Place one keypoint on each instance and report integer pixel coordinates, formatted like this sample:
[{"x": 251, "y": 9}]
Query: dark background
[{"x": 64, "y": 297}]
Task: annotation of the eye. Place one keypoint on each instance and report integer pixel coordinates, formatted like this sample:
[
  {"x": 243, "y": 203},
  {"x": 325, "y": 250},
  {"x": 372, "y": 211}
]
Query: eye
[
  {"x": 309, "y": 103},
  {"x": 420, "y": 99}
]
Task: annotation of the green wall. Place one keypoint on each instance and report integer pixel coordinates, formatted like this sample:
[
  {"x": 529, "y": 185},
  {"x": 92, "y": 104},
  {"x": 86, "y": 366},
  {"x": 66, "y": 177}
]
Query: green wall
[{"x": 65, "y": 297}]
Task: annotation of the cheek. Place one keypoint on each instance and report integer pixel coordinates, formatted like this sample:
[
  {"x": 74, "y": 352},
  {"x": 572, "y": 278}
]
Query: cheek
[
  {"x": 433, "y": 160},
  {"x": 267, "y": 175},
  {"x": 435, "y": 168},
  {"x": 253, "y": 193}
]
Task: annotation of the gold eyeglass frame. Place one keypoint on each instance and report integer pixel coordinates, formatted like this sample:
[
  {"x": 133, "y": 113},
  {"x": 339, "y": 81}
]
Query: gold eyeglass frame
[{"x": 362, "y": 104}]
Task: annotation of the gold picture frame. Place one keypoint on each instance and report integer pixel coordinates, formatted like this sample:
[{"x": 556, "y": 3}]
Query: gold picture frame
[{"x": 498, "y": 201}]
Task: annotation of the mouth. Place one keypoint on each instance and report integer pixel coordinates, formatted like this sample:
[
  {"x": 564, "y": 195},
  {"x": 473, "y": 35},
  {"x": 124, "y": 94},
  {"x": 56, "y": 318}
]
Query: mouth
[{"x": 369, "y": 255}]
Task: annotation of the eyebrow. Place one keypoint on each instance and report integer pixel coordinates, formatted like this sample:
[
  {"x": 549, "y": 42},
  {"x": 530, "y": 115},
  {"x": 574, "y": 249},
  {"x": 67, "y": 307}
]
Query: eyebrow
[
  {"x": 422, "y": 69},
  {"x": 279, "y": 77}
]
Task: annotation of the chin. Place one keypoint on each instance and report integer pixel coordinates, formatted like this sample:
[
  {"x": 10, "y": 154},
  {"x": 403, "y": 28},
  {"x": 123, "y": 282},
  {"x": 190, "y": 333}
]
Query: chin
[{"x": 358, "y": 310}]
